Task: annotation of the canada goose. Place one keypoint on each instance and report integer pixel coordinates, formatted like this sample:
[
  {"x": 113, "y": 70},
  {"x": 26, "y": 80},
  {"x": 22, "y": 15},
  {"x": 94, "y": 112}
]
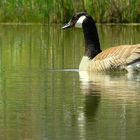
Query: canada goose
[{"x": 123, "y": 57}]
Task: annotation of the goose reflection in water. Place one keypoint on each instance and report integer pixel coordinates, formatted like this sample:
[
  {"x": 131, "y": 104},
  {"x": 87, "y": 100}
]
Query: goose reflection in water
[
  {"x": 112, "y": 85},
  {"x": 92, "y": 99},
  {"x": 107, "y": 100}
]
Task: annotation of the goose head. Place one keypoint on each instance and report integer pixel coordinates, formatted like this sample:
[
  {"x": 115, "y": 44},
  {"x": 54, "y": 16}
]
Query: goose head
[{"x": 77, "y": 20}]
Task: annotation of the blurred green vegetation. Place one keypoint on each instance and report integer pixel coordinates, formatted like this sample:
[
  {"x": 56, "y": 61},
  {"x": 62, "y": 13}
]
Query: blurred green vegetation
[{"x": 58, "y": 11}]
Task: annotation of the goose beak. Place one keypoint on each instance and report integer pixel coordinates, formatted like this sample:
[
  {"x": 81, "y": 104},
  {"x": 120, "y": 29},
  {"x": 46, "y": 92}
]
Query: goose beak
[{"x": 67, "y": 25}]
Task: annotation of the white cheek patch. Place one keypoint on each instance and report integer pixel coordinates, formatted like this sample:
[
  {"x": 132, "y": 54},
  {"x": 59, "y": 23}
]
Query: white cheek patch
[{"x": 80, "y": 21}]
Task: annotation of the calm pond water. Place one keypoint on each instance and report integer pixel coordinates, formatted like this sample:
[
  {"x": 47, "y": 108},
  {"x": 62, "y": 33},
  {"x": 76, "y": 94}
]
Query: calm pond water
[{"x": 42, "y": 96}]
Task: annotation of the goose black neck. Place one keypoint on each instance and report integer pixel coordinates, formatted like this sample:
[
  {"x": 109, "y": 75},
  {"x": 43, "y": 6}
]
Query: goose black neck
[{"x": 92, "y": 44}]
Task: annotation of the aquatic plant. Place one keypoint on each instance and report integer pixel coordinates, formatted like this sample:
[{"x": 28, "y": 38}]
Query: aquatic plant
[{"x": 48, "y": 11}]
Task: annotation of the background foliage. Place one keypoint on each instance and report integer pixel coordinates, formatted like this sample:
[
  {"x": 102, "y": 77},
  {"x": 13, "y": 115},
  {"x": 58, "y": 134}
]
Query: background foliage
[{"x": 57, "y": 11}]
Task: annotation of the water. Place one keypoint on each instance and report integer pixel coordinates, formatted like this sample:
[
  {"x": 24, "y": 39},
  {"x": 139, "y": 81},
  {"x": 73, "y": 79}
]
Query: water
[{"x": 42, "y": 96}]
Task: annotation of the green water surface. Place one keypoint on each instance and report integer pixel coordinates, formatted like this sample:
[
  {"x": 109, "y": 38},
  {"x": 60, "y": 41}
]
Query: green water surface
[{"x": 42, "y": 96}]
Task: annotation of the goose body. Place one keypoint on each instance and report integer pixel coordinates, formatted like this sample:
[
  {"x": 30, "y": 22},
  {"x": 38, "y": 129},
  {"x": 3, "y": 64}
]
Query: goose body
[{"x": 123, "y": 57}]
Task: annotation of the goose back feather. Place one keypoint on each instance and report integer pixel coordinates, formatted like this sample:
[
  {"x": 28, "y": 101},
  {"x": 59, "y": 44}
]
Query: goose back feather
[{"x": 119, "y": 57}]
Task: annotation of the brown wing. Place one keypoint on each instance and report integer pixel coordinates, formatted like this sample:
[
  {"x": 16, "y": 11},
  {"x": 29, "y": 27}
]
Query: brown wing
[
  {"x": 115, "y": 57},
  {"x": 123, "y": 51}
]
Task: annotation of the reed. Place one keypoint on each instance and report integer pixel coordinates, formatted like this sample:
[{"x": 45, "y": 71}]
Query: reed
[{"x": 56, "y": 11}]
